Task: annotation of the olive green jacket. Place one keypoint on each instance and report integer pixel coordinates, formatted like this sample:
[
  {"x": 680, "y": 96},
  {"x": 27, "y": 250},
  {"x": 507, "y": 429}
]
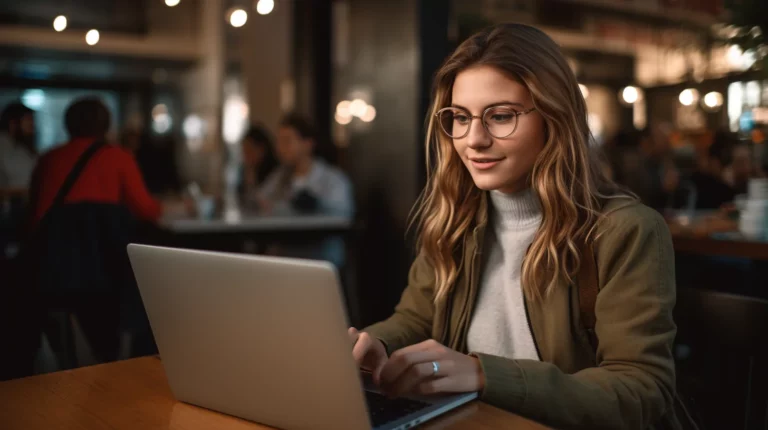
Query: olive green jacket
[{"x": 629, "y": 383}]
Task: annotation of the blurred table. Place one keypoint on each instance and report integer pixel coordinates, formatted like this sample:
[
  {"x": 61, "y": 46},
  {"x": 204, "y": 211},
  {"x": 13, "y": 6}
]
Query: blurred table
[
  {"x": 723, "y": 245},
  {"x": 134, "y": 394},
  {"x": 234, "y": 232},
  {"x": 714, "y": 234},
  {"x": 254, "y": 223}
]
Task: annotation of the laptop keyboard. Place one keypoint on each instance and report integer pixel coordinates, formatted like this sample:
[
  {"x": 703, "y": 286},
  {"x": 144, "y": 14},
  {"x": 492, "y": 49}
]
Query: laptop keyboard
[{"x": 383, "y": 409}]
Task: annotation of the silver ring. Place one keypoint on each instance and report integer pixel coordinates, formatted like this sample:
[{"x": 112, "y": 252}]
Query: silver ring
[{"x": 435, "y": 368}]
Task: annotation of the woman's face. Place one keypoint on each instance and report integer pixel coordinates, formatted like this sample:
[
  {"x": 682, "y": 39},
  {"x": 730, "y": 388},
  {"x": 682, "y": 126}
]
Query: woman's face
[
  {"x": 497, "y": 164},
  {"x": 253, "y": 153}
]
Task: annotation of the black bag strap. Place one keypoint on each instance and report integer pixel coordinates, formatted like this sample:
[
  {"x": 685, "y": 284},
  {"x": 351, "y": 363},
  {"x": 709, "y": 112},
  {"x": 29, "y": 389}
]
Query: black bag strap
[{"x": 74, "y": 174}]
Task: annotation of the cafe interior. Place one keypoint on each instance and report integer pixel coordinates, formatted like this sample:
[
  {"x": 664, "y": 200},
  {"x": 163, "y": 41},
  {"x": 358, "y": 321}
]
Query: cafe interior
[{"x": 198, "y": 93}]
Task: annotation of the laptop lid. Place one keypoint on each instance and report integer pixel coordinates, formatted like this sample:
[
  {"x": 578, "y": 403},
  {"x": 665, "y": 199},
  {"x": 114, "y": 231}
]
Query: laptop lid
[{"x": 260, "y": 338}]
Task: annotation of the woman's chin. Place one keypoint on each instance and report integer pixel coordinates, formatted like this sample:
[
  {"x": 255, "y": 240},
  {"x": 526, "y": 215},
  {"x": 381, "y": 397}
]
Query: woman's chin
[{"x": 487, "y": 185}]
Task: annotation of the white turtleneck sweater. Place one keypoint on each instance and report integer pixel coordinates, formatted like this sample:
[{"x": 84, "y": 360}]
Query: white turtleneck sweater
[{"x": 499, "y": 325}]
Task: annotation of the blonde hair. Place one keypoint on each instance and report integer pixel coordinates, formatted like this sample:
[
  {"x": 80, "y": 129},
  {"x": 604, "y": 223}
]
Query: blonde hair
[{"x": 566, "y": 177}]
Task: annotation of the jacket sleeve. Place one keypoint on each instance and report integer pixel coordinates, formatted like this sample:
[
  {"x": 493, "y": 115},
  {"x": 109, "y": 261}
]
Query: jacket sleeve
[
  {"x": 633, "y": 385},
  {"x": 412, "y": 321}
]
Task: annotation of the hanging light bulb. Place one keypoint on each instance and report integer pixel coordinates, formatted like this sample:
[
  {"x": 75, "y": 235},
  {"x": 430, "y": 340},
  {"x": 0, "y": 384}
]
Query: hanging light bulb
[
  {"x": 238, "y": 18},
  {"x": 265, "y": 7},
  {"x": 92, "y": 37},
  {"x": 713, "y": 101},
  {"x": 630, "y": 94},
  {"x": 60, "y": 23},
  {"x": 688, "y": 96}
]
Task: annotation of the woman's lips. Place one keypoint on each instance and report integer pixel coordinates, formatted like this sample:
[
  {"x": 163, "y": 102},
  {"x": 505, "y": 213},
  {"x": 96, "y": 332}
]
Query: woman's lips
[{"x": 484, "y": 163}]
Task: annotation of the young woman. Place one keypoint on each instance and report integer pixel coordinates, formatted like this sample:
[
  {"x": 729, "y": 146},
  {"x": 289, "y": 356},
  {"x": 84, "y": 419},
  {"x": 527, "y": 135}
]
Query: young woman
[{"x": 513, "y": 198}]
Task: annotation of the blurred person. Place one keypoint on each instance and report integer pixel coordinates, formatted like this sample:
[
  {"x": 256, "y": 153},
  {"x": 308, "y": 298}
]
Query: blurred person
[
  {"x": 712, "y": 191},
  {"x": 258, "y": 162},
  {"x": 112, "y": 176},
  {"x": 18, "y": 154},
  {"x": 515, "y": 211},
  {"x": 86, "y": 199},
  {"x": 303, "y": 183}
]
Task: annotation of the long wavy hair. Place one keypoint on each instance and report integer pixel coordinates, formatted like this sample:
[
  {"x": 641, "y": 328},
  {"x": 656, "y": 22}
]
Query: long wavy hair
[{"x": 566, "y": 177}]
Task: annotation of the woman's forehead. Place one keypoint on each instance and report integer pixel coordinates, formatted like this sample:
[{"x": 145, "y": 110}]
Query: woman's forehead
[{"x": 482, "y": 86}]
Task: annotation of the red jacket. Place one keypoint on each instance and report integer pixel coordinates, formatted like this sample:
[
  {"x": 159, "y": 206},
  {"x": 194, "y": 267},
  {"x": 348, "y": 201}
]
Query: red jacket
[{"x": 111, "y": 176}]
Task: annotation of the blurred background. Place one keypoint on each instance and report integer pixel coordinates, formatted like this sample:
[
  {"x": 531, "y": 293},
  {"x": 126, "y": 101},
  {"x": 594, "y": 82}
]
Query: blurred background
[{"x": 198, "y": 91}]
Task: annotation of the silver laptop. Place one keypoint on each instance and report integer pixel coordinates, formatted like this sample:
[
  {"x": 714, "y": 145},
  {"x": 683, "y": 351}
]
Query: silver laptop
[{"x": 264, "y": 339}]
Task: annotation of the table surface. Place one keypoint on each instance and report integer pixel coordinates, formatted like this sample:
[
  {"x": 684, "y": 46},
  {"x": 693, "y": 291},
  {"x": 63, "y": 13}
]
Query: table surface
[
  {"x": 256, "y": 223},
  {"x": 134, "y": 394}
]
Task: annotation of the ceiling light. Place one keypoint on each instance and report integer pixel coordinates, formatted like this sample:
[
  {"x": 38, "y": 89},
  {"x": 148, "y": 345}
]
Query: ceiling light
[
  {"x": 264, "y": 7},
  {"x": 60, "y": 23},
  {"x": 238, "y": 18},
  {"x": 92, "y": 37},
  {"x": 630, "y": 94}
]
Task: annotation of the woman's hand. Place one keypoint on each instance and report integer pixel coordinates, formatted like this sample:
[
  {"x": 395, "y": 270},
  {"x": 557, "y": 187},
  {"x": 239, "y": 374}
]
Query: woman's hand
[
  {"x": 411, "y": 371},
  {"x": 369, "y": 352}
]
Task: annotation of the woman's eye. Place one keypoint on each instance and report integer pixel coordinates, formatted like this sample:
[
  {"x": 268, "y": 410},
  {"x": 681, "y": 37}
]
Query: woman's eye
[
  {"x": 461, "y": 119},
  {"x": 502, "y": 117}
]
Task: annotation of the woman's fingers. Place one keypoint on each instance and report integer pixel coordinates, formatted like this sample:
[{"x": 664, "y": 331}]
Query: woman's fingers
[
  {"x": 353, "y": 334},
  {"x": 414, "y": 376},
  {"x": 368, "y": 352}
]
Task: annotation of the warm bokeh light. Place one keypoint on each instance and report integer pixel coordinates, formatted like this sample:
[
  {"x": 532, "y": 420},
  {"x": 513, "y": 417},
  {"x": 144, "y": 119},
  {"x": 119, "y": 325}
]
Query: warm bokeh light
[
  {"x": 688, "y": 96},
  {"x": 238, "y": 18},
  {"x": 369, "y": 114},
  {"x": 60, "y": 23},
  {"x": 584, "y": 90},
  {"x": 343, "y": 120},
  {"x": 713, "y": 100},
  {"x": 172, "y": 3},
  {"x": 357, "y": 107},
  {"x": 342, "y": 109},
  {"x": 265, "y": 7},
  {"x": 630, "y": 94},
  {"x": 92, "y": 37}
]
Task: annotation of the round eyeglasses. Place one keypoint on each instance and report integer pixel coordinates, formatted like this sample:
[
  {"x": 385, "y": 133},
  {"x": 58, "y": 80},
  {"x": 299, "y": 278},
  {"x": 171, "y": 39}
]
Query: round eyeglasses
[{"x": 499, "y": 121}]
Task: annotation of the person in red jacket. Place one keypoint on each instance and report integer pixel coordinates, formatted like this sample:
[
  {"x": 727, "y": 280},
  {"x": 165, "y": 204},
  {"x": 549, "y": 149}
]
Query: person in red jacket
[{"x": 111, "y": 176}]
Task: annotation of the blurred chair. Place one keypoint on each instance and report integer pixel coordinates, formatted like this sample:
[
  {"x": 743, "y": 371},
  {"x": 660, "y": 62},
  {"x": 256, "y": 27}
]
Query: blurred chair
[{"x": 721, "y": 353}]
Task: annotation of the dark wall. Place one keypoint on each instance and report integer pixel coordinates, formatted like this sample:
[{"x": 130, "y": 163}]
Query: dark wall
[
  {"x": 386, "y": 60},
  {"x": 312, "y": 68}
]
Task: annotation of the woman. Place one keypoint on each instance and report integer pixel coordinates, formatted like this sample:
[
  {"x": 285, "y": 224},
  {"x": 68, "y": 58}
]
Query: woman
[
  {"x": 258, "y": 162},
  {"x": 512, "y": 198}
]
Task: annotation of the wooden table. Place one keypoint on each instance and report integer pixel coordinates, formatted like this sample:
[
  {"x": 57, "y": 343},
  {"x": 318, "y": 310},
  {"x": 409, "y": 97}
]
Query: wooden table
[{"x": 134, "y": 394}]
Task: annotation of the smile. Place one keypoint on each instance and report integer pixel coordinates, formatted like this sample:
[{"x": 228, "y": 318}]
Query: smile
[{"x": 484, "y": 163}]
